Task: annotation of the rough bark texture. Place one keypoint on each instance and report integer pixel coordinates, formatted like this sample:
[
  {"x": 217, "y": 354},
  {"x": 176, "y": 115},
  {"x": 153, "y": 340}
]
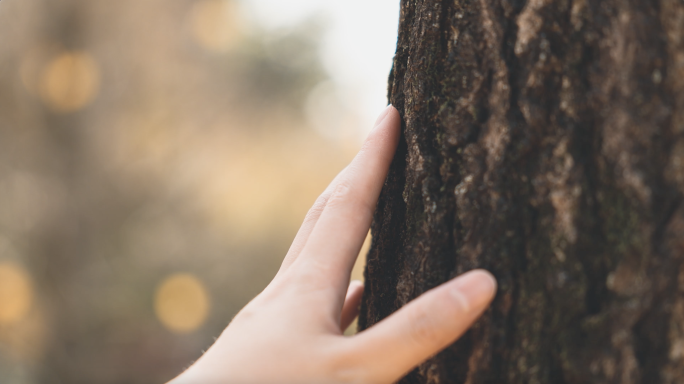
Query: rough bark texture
[{"x": 544, "y": 141}]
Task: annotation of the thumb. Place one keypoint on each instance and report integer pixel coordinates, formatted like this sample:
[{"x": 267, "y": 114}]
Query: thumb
[{"x": 424, "y": 327}]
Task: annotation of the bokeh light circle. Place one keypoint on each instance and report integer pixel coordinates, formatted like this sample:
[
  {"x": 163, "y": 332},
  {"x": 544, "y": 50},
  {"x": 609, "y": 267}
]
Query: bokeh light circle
[
  {"x": 181, "y": 303},
  {"x": 16, "y": 293},
  {"x": 70, "y": 81},
  {"x": 214, "y": 24}
]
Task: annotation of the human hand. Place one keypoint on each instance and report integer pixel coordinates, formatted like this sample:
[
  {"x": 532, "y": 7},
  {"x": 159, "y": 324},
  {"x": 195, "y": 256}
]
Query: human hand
[{"x": 293, "y": 331}]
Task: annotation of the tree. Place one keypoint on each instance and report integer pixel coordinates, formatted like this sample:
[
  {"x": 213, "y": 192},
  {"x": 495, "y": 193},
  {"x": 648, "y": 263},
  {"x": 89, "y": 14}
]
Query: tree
[{"x": 542, "y": 140}]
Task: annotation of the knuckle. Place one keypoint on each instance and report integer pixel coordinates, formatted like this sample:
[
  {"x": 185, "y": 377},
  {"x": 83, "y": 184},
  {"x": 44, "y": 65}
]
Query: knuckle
[
  {"x": 317, "y": 208},
  {"x": 423, "y": 329},
  {"x": 346, "y": 195},
  {"x": 341, "y": 194}
]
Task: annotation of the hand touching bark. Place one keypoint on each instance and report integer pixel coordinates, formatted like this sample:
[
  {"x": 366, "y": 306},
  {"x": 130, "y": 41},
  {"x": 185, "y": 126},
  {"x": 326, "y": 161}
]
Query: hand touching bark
[{"x": 293, "y": 331}]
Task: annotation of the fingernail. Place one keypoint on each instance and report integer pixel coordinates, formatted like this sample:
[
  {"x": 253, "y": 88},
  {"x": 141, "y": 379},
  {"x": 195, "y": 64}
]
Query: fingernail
[
  {"x": 383, "y": 116},
  {"x": 474, "y": 289}
]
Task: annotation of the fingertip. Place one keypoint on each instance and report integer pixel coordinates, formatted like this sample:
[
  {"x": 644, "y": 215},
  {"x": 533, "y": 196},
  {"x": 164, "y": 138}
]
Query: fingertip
[
  {"x": 393, "y": 114},
  {"x": 485, "y": 274},
  {"x": 389, "y": 117},
  {"x": 350, "y": 308},
  {"x": 393, "y": 110},
  {"x": 383, "y": 115},
  {"x": 475, "y": 289},
  {"x": 395, "y": 118},
  {"x": 355, "y": 289}
]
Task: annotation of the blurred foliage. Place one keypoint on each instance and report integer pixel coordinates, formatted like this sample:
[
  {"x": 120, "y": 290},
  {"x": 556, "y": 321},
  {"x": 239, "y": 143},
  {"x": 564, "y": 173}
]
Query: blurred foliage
[{"x": 154, "y": 166}]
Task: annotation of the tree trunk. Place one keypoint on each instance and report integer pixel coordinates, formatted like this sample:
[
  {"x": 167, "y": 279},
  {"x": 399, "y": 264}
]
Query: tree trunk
[{"x": 543, "y": 141}]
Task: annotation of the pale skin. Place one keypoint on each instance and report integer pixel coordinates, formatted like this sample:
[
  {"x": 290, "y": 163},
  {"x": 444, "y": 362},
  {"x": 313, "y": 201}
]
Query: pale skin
[{"x": 293, "y": 331}]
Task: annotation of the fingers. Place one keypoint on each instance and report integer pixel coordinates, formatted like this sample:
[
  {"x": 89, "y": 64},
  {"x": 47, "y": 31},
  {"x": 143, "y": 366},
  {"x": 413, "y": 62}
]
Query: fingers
[
  {"x": 341, "y": 229},
  {"x": 424, "y": 327},
  {"x": 316, "y": 210},
  {"x": 308, "y": 225},
  {"x": 351, "y": 304}
]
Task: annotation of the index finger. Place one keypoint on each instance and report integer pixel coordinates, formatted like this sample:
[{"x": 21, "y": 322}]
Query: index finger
[{"x": 338, "y": 235}]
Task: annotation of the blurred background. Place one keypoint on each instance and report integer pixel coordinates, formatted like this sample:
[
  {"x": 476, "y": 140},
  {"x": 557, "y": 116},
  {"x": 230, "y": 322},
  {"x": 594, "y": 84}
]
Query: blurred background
[{"x": 156, "y": 160}]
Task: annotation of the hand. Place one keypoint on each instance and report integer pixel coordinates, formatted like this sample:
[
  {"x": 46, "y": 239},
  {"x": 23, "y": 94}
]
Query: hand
[{"x": 293, "y": 331}]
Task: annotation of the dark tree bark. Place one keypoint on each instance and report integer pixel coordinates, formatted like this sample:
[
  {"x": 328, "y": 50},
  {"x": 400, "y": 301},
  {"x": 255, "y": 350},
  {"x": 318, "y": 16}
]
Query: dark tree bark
[{"x": 544, "y": 141}]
